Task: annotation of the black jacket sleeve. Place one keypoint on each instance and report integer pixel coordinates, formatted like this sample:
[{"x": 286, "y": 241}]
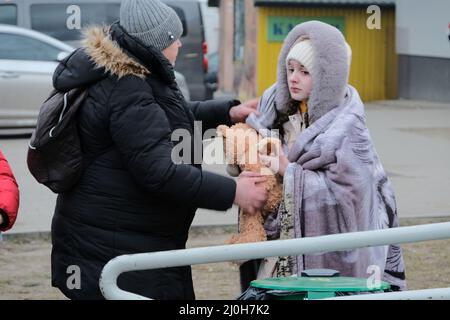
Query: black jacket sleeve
[
  {"x": 141, "y": 132},
  {"x": 212, "y": 113}
]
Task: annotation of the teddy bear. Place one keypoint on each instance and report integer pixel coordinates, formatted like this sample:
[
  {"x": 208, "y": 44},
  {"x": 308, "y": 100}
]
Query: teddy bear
[{"x": 242, "y": 145}]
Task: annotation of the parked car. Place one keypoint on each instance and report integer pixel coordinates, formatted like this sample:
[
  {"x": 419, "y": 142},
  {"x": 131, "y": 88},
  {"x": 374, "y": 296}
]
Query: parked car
[
  {"x": 211, "y": 76},
  {"x": 27, "y": 61},
  {"x": 182, "y": 84},
  {"x": 61, "y": 19}
]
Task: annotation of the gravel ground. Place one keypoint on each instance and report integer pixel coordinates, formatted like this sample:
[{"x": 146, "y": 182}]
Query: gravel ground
[{"x": 25, "y": 266}]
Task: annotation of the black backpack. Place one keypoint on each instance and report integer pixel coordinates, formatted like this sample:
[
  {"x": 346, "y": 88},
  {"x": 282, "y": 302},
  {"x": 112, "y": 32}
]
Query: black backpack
[{"x": 55, "y": 157}]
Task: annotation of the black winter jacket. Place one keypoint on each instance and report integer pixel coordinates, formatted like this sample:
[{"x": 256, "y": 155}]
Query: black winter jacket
[{"x": 132, "y": 198}]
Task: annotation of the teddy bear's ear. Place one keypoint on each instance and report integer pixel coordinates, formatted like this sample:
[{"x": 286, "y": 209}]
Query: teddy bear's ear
[{"x": 221, "y": 130}]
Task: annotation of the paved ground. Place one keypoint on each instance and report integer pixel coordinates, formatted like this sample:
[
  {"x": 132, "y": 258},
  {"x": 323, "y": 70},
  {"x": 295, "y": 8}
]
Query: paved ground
[{"x": 412, "y": 139}]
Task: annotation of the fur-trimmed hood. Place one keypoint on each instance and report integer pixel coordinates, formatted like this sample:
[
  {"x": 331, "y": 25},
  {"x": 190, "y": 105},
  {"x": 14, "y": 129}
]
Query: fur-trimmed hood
[
  {"x": 110, "y": 51},
  {"x": 107, "y": 54},
  {"x": 330, "y": 76}
]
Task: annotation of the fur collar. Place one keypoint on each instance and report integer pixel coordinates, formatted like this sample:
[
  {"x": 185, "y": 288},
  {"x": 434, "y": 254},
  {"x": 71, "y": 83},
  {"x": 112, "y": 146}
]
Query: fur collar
[
  {"x": 107, "y": 54},
  {"x": 331, "y": 75}
]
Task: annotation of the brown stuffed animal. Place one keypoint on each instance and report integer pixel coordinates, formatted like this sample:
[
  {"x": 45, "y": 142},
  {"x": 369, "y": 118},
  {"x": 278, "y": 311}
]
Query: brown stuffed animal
[{"x": 241, "y": 145}]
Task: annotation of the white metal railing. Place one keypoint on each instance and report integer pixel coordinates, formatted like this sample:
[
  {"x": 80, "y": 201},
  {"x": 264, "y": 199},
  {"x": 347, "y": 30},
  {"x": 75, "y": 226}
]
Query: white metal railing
[
  {"x": 426, "y": 294},
  {"x": 258, "y": 250}
]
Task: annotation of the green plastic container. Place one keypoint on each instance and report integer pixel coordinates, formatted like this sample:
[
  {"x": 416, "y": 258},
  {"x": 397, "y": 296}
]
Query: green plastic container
[{"x": 315, "y": 287}]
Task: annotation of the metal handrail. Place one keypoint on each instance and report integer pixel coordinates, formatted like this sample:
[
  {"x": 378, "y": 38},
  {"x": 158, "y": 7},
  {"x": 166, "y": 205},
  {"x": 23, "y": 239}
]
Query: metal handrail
[
  {"x": 258, "y": 250},
  {"x": 426, "y": 294}
]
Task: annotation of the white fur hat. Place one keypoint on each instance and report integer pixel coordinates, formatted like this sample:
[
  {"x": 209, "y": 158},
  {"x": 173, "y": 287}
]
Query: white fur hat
[{"x": 302, "y": 52}]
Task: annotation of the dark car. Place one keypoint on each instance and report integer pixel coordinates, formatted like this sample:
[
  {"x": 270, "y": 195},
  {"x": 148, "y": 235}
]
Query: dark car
[
  {"x": 62, "y": 19},
  {"x": 211, "y": 75}
]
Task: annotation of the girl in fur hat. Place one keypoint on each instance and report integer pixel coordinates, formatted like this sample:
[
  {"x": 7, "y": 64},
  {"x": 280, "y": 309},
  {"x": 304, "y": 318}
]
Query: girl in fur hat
[{"x": 333, "y": 179}]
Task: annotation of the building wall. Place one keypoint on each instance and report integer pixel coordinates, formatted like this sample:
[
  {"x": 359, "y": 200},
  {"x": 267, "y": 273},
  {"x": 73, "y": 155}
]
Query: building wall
[
  {"x": 424, "y": 78},
  {"x": 374, "y": 61},
  {"x": 423, "y": 46},
  {"x": 423, "y": 28},
  {"x": 225, "y": 72},
  {"x": 245, "y": 70}
]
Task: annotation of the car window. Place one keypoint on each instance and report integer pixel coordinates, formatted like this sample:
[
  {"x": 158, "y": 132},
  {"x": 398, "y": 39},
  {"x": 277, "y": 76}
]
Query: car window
[
  {"x": 18, "y": 47},
  {"x": 60, "y": 20},
  {"x": 213, "y": 61},
  {"x": 8, "y": 14}
]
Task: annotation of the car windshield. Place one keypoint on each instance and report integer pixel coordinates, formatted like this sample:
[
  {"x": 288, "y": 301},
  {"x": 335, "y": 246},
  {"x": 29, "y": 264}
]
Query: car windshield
[{"x": 62, "y": 21}]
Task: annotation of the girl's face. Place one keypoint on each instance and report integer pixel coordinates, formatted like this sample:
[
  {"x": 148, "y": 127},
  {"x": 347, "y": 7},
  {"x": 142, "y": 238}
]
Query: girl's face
[
  {"x": 171, "y": 52},
  {"x": 299, "y": 81}
]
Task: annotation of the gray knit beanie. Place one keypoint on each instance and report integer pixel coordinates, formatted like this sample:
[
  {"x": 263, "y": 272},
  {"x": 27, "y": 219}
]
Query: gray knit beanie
[{"x": 151, "y": 21}]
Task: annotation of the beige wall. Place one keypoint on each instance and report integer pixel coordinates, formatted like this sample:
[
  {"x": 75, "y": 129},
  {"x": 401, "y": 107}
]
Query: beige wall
[
  {"x": 246, "y": 80},
  {"x": 237, "y": 77},
  {"x": 225, "y": 75}
]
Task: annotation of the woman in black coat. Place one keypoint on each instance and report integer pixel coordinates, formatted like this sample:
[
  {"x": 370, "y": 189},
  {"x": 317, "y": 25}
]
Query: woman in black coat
[{"x": 133, "y": 198}]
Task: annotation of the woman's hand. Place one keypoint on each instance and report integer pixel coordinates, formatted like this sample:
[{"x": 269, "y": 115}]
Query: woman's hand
[
  {"x": 240, "y": 112},
  {"x": 276, "y": 162},
  {"x": 251, "y": 194}
]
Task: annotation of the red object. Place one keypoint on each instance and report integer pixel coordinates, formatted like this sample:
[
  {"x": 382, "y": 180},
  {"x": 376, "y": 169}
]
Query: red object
[
  {"x": 205, "y": 58},
  {"x": 9, "y": 193}
]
